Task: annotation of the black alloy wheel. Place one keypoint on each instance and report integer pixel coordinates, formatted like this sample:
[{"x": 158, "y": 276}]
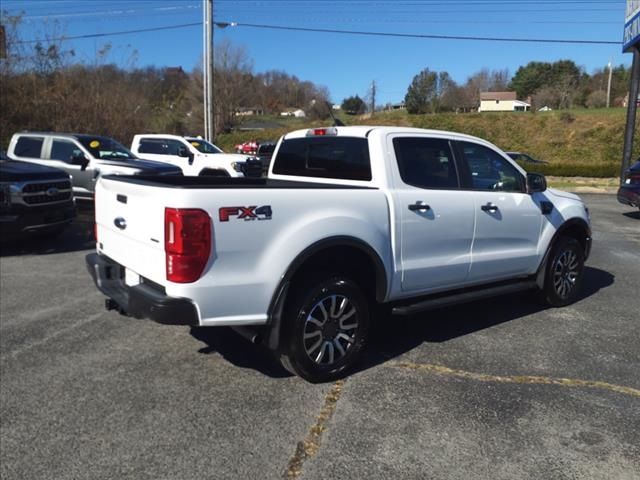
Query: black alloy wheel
[
  {"x": 327, "y": 328},
  {"x": 564, "y": 274}
]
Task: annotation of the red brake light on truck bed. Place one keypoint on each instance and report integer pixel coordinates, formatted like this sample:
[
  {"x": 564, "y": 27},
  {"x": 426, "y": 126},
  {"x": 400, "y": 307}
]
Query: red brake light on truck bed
[
  {"x": 322, "y": 132},
  {"x": 187, "y": 243}
]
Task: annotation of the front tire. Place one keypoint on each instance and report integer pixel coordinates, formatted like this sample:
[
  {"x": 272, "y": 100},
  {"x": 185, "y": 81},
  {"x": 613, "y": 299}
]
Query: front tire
[
  {"x": 564, "y": 273},
  {"x": 327, "y": 326}
]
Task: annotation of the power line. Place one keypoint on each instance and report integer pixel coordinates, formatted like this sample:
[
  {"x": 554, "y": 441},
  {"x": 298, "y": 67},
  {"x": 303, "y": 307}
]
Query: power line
[
  {"x": 108, "y": 34},
  {"x": 410, "y": 35},
  {"x": 326, "y": 30}
]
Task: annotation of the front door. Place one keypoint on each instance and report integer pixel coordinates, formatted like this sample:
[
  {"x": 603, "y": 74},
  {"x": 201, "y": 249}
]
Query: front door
[
  {"x": 61, "y": 156},
  {"x": 508, "y": 221},
  {"x": 436, "y": 217}
]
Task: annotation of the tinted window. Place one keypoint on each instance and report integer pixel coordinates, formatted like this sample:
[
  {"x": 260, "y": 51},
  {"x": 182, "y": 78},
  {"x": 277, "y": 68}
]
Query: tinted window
[
  {"x": 105, "y": 147},
  {"x": 203, "y": 146},
  {"x": 161, "y": 146},
  {"x": 63, "y": 150},
  {"x": 425, "y": 162},
  {"x": 326, "y": 157},
  {"x": 29, "y": 147},
  {"x": 489, "y": 170}
]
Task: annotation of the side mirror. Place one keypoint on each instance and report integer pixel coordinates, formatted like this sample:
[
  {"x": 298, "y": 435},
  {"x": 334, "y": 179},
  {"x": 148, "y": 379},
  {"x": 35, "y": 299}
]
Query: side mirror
[
  {"x": 185, "y": 153},
  {"x": 536, "y": 183},
  {"x": 79, "y": 158}
]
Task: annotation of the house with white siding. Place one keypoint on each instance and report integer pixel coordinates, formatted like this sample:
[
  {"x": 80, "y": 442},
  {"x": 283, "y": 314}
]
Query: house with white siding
[{"x": 502, "y": 102}]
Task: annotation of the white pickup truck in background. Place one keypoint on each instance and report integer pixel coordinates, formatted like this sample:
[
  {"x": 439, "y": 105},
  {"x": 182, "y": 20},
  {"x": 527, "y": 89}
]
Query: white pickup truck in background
[
  {"x": 348, "y": 219},
  {"x": 195, "y": 156}
]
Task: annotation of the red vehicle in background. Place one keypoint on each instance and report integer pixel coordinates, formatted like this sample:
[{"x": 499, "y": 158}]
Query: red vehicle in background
[{"x": 250, "y": 147}]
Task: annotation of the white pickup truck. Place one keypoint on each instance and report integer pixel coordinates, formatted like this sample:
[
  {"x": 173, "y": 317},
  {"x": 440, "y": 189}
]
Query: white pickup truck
[
  {"x": 349, "y": 219},
  {"x": 194, "y": 155}
]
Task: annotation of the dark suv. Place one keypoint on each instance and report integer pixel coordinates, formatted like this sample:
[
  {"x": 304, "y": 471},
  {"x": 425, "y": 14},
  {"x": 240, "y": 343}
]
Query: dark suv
[
  {"x": 629, "y": 191},
  {"x": 33, "y": 200}
]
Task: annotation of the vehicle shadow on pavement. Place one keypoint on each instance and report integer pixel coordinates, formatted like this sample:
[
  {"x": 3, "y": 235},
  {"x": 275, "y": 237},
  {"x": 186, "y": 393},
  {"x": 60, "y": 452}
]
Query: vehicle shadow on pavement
[
  {"x": 238, "y": 351},
  {"x": 393, "y": 336},
  {"x": 635, "y": 215},
  {"x": 76, "y": 237}
]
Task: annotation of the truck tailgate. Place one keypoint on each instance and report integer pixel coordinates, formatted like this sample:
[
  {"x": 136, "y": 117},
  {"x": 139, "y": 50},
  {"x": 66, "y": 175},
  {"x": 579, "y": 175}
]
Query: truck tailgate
[{"x": 130, "y": 228}]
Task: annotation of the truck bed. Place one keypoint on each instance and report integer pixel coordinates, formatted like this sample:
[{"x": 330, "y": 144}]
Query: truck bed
[{"x": 187, "y": 182}]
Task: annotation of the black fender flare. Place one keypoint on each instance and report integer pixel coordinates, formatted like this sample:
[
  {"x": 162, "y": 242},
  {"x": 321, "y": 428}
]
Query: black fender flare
[
  {"x": 569, "y": 224},
  {"x": 276, "y": 307}
]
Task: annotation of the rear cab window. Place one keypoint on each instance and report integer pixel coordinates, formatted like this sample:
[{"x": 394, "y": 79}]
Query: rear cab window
[
  {"x": 336, "y": 157},
  {"x": 30, "y": 147}
]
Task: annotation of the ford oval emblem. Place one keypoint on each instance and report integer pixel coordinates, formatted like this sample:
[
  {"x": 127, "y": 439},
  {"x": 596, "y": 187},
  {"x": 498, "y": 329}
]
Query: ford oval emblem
[
  {"x": 52, "y": 192},
  {"x": 120, "y": 222}
]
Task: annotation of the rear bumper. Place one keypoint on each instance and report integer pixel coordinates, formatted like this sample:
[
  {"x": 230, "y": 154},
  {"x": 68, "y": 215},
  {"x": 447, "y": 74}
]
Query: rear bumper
[{"x": 139, "y": 301}]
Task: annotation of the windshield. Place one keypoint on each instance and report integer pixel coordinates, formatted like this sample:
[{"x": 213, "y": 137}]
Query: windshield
[
  {"x": 105, "y": 147},
  {"x": 203, "y": 146},
  {"x": 3, "y": 156}
]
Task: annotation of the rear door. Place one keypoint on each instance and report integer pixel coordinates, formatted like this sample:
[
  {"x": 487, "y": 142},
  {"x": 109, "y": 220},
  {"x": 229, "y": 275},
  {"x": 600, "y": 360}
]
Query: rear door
[
  {"x": 436, "y": 217},
  {"x": 508, "y": 221}
]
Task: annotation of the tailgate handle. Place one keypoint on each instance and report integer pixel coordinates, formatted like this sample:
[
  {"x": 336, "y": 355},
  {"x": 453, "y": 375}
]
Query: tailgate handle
[{"x": 120, "y": 222}]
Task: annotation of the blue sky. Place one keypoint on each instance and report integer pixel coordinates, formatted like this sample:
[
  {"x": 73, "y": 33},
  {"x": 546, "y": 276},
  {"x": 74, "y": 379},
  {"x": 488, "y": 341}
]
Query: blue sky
[{"x": 346, "y": 64}]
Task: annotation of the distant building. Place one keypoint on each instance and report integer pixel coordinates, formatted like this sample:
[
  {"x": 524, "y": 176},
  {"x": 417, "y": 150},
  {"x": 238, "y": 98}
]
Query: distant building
[
  {"x": 174, "y": 71},
  {"x": 249, "y": 111},
  {"x": 395, "y": 106},
  {"x": 502, "y": 102},
  {"x": 293, "y": 112}
]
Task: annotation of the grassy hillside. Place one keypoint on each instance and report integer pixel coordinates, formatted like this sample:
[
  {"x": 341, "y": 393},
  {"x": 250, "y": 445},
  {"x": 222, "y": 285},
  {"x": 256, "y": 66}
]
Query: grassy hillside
[{"x": 577, "y": 142}]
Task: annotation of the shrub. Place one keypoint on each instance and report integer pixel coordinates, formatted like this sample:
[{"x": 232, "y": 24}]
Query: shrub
[{"x": 592, "y": 170}]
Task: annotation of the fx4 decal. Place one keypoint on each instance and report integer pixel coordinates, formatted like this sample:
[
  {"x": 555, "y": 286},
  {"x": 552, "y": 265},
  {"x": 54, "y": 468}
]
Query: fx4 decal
[{"x": 246, "y": 213}]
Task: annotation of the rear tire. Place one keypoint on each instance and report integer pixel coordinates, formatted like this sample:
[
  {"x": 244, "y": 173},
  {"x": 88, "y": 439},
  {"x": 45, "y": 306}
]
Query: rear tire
[
  {"x": 326, "y": 328},
  {"x": 564, "y": 273}
]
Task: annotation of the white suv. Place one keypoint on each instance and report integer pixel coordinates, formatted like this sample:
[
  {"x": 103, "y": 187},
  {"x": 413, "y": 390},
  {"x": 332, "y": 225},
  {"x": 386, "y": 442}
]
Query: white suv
[{"x": 194, "y": 156}]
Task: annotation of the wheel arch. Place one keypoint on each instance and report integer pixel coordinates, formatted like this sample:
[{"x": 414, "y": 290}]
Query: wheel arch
[
  {"x": 576, "y": 228},
  {"x": 328, "y": 252}
]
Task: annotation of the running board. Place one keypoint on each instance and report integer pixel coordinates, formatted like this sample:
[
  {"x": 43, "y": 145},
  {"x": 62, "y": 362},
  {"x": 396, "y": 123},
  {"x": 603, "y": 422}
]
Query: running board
[{"x": 464, "y": 297}]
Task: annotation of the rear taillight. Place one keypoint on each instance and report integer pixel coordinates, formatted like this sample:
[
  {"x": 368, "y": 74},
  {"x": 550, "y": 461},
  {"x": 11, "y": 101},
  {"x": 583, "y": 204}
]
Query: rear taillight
[
  {"x": 187, "y": 243},
  {"x": 633, "y": 178}
]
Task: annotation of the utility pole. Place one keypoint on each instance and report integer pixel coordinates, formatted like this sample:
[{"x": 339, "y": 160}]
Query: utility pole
[
  {"x": 609, "y": 86},
  {"x": 632, "y": 107},
  {"x": 205, "y": 80},
  {"x": 207, "y": 70},
  {"x": 373, "y": 97}
]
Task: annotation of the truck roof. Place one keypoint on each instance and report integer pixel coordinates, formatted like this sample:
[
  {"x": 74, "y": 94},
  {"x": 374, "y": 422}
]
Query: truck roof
[{"x": 365, "y": 130}]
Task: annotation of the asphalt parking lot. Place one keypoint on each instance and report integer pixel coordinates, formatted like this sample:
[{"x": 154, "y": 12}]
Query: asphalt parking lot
[{"x": 498, "y": 389}]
